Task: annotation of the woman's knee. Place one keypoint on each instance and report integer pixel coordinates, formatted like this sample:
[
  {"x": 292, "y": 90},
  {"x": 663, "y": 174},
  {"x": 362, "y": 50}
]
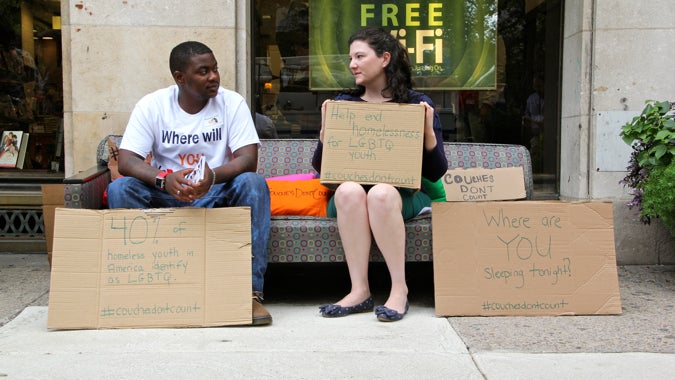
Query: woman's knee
[
  {"x": 349, "y": 194},
  {"x": 383, "y": 195}
]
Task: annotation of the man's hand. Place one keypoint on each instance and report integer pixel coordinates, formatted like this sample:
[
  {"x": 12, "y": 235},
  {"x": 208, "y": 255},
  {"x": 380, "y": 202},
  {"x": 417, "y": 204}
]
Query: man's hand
[{"x": 183, "y": 189}]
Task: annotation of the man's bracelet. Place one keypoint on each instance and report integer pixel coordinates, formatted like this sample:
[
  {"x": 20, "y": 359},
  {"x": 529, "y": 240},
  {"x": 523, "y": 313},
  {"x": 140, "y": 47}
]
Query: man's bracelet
[{"x": 213, "y": 173}]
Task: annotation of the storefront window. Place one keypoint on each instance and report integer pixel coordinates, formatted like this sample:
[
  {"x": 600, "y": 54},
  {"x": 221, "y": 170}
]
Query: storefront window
[
  {"x": 527, "y": 50},
  {"x": 31, "y": 94}
]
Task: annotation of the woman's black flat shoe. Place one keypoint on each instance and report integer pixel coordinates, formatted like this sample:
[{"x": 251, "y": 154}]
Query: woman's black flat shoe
[
  {"x": 385, "y": 314},
  {"x": 334, "y": 310}
]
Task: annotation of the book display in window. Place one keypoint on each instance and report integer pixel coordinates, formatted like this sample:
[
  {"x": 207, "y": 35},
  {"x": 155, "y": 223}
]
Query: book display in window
[{"x": 13, "y": 149}]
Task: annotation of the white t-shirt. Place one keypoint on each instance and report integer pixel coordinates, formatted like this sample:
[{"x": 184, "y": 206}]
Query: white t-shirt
[{"x": 178, "y": 139}]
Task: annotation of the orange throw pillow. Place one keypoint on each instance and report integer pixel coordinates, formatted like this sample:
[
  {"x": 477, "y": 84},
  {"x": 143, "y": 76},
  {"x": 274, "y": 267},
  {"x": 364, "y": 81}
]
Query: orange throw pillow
[{"x": 302, "y": 197}]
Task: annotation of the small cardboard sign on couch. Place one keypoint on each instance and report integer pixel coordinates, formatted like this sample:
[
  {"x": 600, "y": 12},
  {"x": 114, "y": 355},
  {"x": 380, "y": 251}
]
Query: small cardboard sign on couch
[
  {"x": 129, "y": 268},
  {"x": 481, "y": 184},
  {"x": 524, "y": 258},
  {"x": 372, "y": 143}
]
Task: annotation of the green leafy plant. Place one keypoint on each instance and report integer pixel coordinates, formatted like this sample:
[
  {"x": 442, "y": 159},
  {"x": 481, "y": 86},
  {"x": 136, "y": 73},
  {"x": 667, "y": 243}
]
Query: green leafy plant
[
  {"x": 659, "y": 195},
  {"x": 650, "y": 176}
]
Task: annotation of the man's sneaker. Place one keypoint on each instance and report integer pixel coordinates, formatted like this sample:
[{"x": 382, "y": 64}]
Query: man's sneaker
[{"x": 260, "y": 315}]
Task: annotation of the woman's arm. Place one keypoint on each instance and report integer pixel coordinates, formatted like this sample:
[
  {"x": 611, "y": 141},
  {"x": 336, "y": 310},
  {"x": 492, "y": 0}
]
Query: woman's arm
[{"x": 434, "y": 162}]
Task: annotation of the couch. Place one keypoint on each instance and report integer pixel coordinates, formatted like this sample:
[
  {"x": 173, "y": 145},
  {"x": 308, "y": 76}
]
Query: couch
[{"x": 302, "y": 239}]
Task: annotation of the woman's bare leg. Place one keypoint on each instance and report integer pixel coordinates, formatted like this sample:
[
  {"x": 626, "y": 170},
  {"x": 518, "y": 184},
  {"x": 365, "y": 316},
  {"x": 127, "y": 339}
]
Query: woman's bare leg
[
  {"x": 352, "y": 219},
  {"x": 388, "y": 228}
]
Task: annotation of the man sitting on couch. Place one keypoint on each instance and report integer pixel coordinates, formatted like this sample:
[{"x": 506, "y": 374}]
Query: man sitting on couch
[{"x": 204, "y": 149}]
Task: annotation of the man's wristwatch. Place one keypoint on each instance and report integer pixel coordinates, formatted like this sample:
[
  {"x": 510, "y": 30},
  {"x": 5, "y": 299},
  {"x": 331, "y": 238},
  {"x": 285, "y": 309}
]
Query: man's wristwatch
[{"x": 160, "y": 180}]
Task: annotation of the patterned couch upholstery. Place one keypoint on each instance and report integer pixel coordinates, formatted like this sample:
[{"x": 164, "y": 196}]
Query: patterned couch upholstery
[{"x": 301, "y": 239}]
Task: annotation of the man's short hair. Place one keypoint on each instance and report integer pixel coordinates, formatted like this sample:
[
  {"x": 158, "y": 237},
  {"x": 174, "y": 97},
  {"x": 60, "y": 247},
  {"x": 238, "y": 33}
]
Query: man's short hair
[{"x": 182, "y": 54}]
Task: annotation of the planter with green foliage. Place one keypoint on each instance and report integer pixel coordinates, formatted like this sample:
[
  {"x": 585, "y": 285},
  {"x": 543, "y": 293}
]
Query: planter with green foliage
[{"x": 651, "y": 169}]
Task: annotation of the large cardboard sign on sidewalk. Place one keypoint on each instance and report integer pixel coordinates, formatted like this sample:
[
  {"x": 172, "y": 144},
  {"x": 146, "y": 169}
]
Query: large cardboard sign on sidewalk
[
  {"x": 373, "y": 143},
  {"x": 180, "y": 267},
  {"x": 481, "y": 184},
  {"x": 524, "y": 258}
]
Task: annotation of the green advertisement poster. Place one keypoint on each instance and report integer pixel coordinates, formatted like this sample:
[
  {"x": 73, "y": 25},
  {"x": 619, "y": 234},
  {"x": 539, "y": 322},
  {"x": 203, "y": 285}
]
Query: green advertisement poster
[{"x": 451, "y": 43}]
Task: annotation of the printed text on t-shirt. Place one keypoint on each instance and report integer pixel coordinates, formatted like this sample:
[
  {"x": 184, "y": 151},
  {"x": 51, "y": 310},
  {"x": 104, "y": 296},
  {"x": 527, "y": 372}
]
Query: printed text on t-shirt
[{"x": 171, "y": 137}]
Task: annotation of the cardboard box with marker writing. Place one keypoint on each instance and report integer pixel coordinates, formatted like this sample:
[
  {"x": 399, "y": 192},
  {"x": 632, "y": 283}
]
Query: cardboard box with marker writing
[
  {"x": 184, "y": 267},
  {"x": 373, "y": 143},
  {"x": 482, "y": 184},
  {"x": 524, "y": 258}
]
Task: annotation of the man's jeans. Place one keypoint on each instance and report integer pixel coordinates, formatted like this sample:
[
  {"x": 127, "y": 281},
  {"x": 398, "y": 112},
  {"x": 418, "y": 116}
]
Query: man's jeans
[{"x": 247, "y": 189}]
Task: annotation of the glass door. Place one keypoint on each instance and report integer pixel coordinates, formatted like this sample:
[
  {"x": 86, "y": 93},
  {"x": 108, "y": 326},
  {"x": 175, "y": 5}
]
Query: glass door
[{"x": 31, "y": 88}]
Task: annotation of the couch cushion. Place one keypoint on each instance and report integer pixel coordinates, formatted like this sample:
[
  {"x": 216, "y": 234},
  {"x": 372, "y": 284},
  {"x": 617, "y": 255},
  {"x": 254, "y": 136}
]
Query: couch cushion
[
  {"x": 279, "y": 157},
  {"x": 300, "y": 239}
]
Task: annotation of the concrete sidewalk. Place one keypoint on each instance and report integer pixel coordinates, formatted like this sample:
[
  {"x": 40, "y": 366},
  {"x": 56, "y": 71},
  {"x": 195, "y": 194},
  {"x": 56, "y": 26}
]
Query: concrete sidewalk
[{"x": 300, "y": 344}]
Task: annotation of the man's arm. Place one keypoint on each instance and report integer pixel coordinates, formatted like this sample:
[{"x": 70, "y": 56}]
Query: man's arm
[
  {"x": 245, "y": 160},
  {"x": 132, "y": 165}
]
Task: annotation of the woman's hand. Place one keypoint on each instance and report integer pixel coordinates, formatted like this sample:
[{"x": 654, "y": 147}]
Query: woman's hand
[{"x": 429, "y": 135}]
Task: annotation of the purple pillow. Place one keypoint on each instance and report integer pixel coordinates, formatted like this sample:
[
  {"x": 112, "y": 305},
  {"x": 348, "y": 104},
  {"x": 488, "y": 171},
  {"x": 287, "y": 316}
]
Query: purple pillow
[{"x": 293, "y": 177}]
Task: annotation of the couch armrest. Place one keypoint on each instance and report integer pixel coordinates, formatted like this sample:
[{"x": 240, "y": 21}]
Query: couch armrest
[{"x": 85, "y": 189}]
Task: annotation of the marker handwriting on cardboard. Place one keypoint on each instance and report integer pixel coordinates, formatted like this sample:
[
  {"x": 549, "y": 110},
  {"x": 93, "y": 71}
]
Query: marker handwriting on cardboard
[
  {"x": 472, "y": 187},
  {"x": 524, "y": 305},
  {"x": 519, "y": 276},
  {"x": 145, "y": 259},
  {"x": 484, "y": 184},
  {"x": 371, "y": 143},
  {"x": 371, "y": 177},
  {"x": 524, "y": 258},
  {"x": 126, "y": 269},
  {"x": 519, "y": 221},
  {"x": 333, "y": 142},
  {"x": 364, "y": 141},
  {"x": 522, "y": 246},
  {"x": 502, "y": 220},
  {"x": 370, "y": 131},
  {"x": 140, "y": 310},
  {"x": 137, "y": 230}
]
